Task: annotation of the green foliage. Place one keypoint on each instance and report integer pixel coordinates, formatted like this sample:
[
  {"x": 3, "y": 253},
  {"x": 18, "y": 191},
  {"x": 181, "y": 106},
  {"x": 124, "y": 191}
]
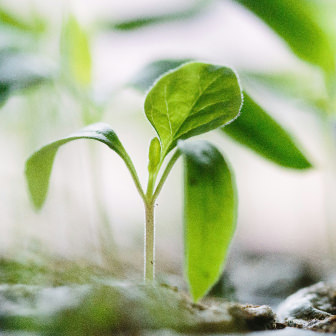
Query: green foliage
[
  {"x": 295, "y": 23},
  {"x": 20, "y": 71},
  {"x": 75, "y": 50},
  {"x": 210, "y": 207},
  {"x": 47, "y": 272},
  {"x": 145, "y": 21},
  {"x": 256, "y": 130},
  {"x": 39, "y": 165},
  {"x": 35, "y": 26},
  {"x": 306, "y": 87},
  {"x": 154, "y": 154},
  {"x": 191, "y": 100}
]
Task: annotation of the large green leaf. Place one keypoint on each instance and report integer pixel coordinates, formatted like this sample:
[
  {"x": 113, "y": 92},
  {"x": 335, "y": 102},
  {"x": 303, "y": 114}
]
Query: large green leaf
[
  {"x": 193, "y": 99},
  {"x": 76, "y": 52},
  {"x": 210, "y": 211},
  {"x": 295, "y": 23},
  {"x": 39, "y": 165},
  {"x": 256, "y": 130}
]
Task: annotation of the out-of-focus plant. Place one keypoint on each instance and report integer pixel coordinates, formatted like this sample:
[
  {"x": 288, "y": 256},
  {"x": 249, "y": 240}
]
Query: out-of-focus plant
[
  {"x": 21, "y": 67},
  {"x": 27, "y": 69},
  {"x": 193, "y": 99},
  {"x": 76, "y": 65},
  {"x": 193, "y": 10}
]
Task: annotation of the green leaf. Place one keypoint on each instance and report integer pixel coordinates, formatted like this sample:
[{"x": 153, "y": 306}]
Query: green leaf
[
  {"x": 193, "y": 99},
  {"x": 145, "y": 21},
  {"x": 256, "y": 130},
  {"x": 75, "y": 46},
  {"x": 19, "y": 71},
  {"x": 39, "y": 165},
  {"x": 294, "y": 21},
  {"x": 210, "y": 212},
  {"x": 146, "y": 77},
  {"x": 36, "y": 25},
  {"x": 308, "y": 87},
  {"x": 154, "y": 154}
]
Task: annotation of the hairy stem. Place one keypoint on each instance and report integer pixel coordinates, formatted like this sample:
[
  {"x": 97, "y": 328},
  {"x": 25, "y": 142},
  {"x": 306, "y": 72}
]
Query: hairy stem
[
  {"x": 149, "y": 201},
  {"x": 149, "y": 260}
]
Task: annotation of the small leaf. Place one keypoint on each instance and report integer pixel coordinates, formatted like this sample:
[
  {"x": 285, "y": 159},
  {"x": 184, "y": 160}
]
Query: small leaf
[
  {"x": 154, "y": 154},
  {"x": 193, "y": 99},
  {"x": 256, "y": 130},
  {"x": 210, "y": 211},
  {"x": 146, "y": 77},
  {"x": 76, "y": 52},
  {"x": 39, "y": 165},
  {"x": 294, "y": 21}
]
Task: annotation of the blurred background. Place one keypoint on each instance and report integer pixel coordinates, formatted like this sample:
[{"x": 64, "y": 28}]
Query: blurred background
[{"x": 66, "y": 64}]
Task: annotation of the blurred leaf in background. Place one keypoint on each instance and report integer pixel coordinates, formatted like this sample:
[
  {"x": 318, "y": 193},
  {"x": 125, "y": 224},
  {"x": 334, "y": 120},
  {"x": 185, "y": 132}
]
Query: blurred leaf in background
[
  {"x": 21, "y": 67},
  {"x": 256, "y": 130},
  {"x": 76, "y": 53},
  {"x": 305, "y": 87},
  {"x": 178, "y": 15},
  {"x": 294, "y": 21},
  {"x": 35, "y": 24},
  {"x": 146, "y": 77},
  {"x": 20, "y": 71}
]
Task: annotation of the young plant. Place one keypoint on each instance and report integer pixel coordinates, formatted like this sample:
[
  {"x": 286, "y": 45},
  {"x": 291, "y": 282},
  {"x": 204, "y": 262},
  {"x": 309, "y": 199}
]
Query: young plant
[{"x": 193, "y": 99}]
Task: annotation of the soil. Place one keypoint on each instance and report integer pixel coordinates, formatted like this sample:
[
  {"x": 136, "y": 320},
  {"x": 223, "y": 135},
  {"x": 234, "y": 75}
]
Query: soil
[
  {"x": 312, "y": 308},
  {"x": 68, "y": 299},
  {"x": 108, "y": 308}
]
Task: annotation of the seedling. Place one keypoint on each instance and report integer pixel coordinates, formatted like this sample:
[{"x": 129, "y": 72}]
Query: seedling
[{"x": 193, "y": 99}]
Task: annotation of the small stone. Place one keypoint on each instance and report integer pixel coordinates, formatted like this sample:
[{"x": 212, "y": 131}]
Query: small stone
[{"x": 312, "y": 308}]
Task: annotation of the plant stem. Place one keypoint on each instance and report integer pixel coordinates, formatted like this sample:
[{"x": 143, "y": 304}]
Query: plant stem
[
  {"x": 149, "y": 201},
  {"x": 149, "y": 260},
  {"x": 165, "y": 174}
]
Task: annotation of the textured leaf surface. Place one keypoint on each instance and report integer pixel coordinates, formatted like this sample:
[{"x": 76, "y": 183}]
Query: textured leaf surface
[
  {"x": 193, "y": 99},
  {"x": 209, "y": 214},
  {"x": 76, "y": 52},
  {"x": 295, "y": 23},
  {"x": 256, "y": 130},
  {"x": 39, "y": 165}
]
